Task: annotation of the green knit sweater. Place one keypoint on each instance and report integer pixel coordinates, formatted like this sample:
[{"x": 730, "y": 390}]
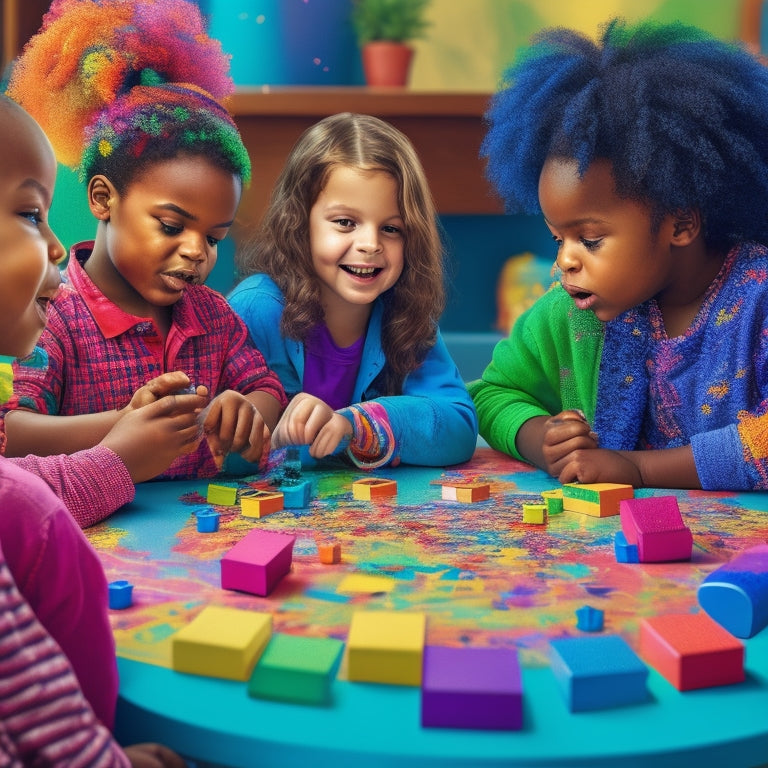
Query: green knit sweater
[{"x": 549, "y": 363}]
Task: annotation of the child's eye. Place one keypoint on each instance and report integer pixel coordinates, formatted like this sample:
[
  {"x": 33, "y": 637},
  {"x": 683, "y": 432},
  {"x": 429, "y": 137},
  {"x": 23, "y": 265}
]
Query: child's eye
[
  {"x": 345, "y": 223},
  {"x": 35, "y": 216},
  {"x": 390, "y": 229},
  {"x": 558, "y": 242},
  {"x": 590, "y": 245},
  {"x": 169, "y": 229},
  {"x": 213, "y": 241}
]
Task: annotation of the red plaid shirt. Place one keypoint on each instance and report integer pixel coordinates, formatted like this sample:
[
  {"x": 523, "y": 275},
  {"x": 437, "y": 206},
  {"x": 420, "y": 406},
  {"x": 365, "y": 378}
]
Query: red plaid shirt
[{"x": 98, "y": 355}]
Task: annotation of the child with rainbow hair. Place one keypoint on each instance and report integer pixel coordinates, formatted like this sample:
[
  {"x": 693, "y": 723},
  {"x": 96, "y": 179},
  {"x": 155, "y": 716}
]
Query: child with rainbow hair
[{"x": 130, "y": 92}]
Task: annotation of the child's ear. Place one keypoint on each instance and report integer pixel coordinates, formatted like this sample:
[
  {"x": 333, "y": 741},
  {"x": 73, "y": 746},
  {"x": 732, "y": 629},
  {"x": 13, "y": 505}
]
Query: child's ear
[
  {"x": 686, "y": 226},
  {"x": 101, "y": 193}
]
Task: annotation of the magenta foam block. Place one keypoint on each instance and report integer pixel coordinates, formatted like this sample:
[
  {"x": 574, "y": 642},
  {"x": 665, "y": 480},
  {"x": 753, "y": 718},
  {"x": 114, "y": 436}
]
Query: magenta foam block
[
  {"x": 736, "y": 594},
  {"x": 257, "y": 562},
  {"x": 478, "y": 688},
  {"x": 655, "y": 525}
]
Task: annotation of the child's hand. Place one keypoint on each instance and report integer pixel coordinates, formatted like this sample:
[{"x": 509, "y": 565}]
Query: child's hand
[
  {"x": 232, "y": 423},
  {"x": 169, "y": 426},
  {"x": 600, "y": 466},
  {"x": 160, "y": 386},
  {"x": 564, "y": 434},
  {"x": 308, "y": 420},
  {"x": 153, "y": 756}
]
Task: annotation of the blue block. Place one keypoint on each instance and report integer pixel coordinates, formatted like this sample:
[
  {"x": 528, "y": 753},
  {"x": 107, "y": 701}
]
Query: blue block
[
  {"x": 120, "y": 595},
  {"x": 625, "y": 552},
  {"x": 207, "y": 520},
  {"x": 598, "y": 672},
  {"x": 589, "y": 619},
  {"x": 296, "y": 496},
  {"x": 736, "y": 594}
]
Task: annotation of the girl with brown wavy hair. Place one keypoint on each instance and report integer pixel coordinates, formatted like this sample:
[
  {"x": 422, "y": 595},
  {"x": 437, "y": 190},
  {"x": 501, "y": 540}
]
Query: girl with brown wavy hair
[{"x": 343, "y": 294}]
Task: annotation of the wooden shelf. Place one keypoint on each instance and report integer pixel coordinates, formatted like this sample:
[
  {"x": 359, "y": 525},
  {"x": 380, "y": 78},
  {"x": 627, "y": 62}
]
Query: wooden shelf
[{"x": 446, "y": 129}]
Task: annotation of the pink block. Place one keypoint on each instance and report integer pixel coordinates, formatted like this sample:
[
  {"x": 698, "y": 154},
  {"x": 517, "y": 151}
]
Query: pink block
[
  {"x": 257, "y": 562},
  {"x": 656, "y": 526}
]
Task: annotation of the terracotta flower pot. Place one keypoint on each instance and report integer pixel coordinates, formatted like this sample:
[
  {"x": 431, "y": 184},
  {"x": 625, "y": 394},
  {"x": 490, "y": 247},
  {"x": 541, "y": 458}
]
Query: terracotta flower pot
[{"x": 386, "y": 62}]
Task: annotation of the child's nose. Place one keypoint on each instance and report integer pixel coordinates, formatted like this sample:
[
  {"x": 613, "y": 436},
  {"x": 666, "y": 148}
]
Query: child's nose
[
  {"x": 56, "y": 251},
  {"x": 368, "y": 239},
  {"x": 567, "y": 258},
  {"x": 194, "y": 247}
]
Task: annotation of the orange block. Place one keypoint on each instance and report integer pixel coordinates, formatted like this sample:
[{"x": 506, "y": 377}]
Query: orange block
[
  {"x": 466, "y": 492},
  {"x": 373, "y": 488},
  {"x": 329, "y": 552},
  {"x": 257, "y": 503},
  {"x": 691, "y": 650}
]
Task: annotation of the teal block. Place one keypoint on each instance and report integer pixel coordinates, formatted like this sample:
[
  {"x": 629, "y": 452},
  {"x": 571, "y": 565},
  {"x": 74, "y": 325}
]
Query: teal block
[
  {"x": 296, "y": 496},
  {"x": 296, "y": 669}
]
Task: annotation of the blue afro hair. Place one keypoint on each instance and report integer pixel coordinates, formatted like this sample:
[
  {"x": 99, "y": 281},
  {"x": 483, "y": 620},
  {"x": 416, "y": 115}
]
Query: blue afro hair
[{"x": 680, "y": 115}]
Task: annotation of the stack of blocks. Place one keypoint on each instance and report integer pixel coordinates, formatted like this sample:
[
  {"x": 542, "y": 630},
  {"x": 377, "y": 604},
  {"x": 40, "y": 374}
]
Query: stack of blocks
[
  {"x": 386, "y": 647},
  {"x": 598, "y": 672},
  {"x": 691, "y": 650},
  {"x": 655, "y": 526},
  {"x": 477, "y": 688},
  {"x": 257, "y": 562},
  {"x": 296, "y": 669},
  {"x": 736, "y": 594},
  {"x": 595, "y": 499},
  {"x": 553, "y": 500},
  {"x": 221, "y": 642}
]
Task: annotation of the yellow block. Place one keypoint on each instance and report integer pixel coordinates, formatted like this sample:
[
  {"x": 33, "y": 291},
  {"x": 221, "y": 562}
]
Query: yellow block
[
  {"x": 386, "y": 647},
  {"x": 260, "y": 503},
  {"x": 221, "y": 642},
  {"x": 606, "y": 498},
  {"x": 534, "y": 513},
  {"x": 364, "y": 582}
]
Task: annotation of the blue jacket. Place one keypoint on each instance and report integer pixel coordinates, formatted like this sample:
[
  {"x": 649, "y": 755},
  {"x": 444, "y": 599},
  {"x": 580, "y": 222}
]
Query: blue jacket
[{"x": 434, "y": 421}]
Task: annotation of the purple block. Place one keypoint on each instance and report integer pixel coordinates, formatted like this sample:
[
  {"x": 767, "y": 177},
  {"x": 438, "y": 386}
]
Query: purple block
[
  {"x": 471, "y": 688},
  {"x": 736, "y": 594},
  {"x": 257, "y": 562}
]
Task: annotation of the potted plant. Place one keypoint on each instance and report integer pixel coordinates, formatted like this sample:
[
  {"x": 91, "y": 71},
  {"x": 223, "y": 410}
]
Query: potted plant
[{"x": 384, "y": 28}]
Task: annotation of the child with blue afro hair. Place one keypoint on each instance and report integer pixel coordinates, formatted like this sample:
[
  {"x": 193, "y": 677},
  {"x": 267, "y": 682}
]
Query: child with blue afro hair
[{"x": 647, "y": 155}]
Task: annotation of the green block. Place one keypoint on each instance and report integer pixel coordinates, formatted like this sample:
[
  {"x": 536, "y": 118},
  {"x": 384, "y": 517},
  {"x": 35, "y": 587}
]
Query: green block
[
  {"x": 554, "y": 505},
  {"x": 223, "y": 495},
  {"x": 296, "y": 669},
  {"x": 577, "y": 492}
]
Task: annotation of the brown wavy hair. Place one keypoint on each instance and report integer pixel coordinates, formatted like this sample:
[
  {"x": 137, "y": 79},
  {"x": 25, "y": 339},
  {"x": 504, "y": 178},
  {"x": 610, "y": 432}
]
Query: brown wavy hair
[{"x": 280, "y": 247}]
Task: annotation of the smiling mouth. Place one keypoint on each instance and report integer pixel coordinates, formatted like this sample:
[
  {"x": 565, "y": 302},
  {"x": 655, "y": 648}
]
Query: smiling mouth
[{"x": 361, "y": 271}]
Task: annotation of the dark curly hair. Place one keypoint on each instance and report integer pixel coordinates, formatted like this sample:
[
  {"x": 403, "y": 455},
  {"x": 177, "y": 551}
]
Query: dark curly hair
[
  {"x": 280, "y": 247},
  {"x": 680, "y": 115}
]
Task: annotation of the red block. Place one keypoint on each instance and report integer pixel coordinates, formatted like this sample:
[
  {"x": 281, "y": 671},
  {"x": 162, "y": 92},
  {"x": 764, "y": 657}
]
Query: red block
[
  {"x": 257, "y": 562},
  {"x": 691, "y": 650},
  {"x": 655, "y": 525}
]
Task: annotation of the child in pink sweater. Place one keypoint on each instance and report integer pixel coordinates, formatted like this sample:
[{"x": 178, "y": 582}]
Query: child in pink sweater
[{"x": 58, "y": 671}]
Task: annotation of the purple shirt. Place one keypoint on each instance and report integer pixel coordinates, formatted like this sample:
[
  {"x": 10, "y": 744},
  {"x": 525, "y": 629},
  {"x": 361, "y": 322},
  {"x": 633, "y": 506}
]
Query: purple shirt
[
  {"x": 98, "y": 355},
  {"x": 330, "y": 372}
]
